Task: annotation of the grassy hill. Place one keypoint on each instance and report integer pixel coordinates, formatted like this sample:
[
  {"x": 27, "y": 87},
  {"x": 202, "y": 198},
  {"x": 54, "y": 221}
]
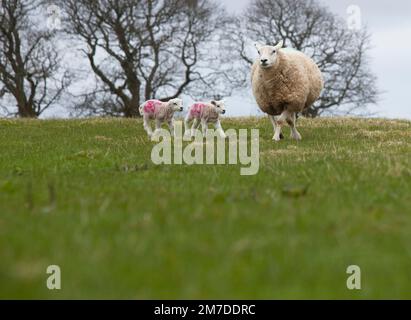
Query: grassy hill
[{"x": 84, "y": 195}]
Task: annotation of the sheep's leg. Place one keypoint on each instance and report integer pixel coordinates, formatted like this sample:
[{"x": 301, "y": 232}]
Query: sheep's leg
[
  {"x": 220, "y": 130},
  {"x": 187, "y": 129},
  {"x": 186, "y": 124},
  {"x": 196, "y": 124},
  {"x": 274, "y": 122},
  {"x": 291, "y": 122},
  {"x": 158, "y": 126},
  {"x": 171, "y": 126},
  {"x": 147, "y": 126},
  {"x": 279, "y": 123},
  {"x": 204, "y": 127}
]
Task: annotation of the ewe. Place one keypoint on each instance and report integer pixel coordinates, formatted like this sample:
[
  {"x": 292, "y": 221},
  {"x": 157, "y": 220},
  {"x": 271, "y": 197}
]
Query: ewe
[
  {"x": 205, "y": 113},
  {"x": 284, "y": 83},
  {"x": 160, "y": 112}
]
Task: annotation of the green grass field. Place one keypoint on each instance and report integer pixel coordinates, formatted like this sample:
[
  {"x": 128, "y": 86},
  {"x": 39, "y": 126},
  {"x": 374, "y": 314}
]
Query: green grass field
[{"x": 84, "y": 195}]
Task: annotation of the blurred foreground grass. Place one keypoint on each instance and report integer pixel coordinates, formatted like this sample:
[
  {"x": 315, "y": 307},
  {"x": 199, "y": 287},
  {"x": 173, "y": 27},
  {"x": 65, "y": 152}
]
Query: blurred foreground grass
[{"x": 84, "y": 194}]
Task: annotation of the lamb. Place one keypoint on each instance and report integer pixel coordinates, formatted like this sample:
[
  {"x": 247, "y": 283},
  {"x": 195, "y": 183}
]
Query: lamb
[
  {"x": 204, "y": 113},
  {"x": 160, "y": 112},
  {"x": 284, "y": 82}
]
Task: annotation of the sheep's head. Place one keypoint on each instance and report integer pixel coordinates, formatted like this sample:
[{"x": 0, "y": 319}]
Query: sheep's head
[
  {"x": 176, "y": 104},
  {"x": 218, "y": 106},
  {"x": 268, "y": 54}
]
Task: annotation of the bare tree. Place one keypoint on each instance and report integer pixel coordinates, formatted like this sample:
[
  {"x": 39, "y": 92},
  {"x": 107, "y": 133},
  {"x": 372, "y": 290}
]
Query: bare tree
[
  {"x": 29, "y": 62},
  {"x": 309, "y": 27},
  {"x": 140, "y": 50}
]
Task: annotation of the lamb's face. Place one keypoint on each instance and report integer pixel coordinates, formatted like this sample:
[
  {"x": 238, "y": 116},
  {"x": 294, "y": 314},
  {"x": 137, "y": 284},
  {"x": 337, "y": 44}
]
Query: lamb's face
[
  {"x": 219, "y": 106},
  {"x": 268, "y": 54},
  {"x": 176, "y": 104}
]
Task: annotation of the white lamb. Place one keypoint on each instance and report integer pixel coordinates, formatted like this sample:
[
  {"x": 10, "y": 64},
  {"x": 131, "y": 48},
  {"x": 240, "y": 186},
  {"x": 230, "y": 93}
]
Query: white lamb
[
  {"x": 204, "y": 113},
  {"x": 160, "y": 112}
]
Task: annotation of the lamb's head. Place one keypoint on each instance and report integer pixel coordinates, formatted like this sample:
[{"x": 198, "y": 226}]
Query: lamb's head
[
  {"x": 268, "y": 54},
  {"x": 176, "y": 104},
  {"x": 219, "y": 106}
]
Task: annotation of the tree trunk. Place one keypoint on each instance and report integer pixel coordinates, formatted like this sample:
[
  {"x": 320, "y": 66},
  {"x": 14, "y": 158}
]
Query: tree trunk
[
  {"x": 26, "y": 111},
  {"x": 131, "y": 110},
  {"x": 131, "y": 105}
]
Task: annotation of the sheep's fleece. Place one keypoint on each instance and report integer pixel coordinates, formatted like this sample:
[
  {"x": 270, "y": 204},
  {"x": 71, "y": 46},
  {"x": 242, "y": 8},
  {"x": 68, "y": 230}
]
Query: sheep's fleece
[
  {"x": 155, "y": 109},
  {"x": 204, "y": 111},
  {"x": 293, "y": 83}
]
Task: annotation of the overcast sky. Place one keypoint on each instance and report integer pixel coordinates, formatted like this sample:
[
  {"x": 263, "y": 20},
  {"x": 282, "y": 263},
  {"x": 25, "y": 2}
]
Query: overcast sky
[{"x": 390, "y": 25}]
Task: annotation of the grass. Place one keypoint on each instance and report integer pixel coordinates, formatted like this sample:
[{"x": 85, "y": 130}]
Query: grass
[{"x": 84, "y": 195}]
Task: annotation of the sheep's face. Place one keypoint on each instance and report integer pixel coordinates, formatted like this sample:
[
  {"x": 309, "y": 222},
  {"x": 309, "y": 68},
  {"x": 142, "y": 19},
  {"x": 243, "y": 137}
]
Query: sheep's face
[
  {"x": 268, "y": 54},
  {"x": 219, "y": 106},
  {"x": 176, "y": 104}
]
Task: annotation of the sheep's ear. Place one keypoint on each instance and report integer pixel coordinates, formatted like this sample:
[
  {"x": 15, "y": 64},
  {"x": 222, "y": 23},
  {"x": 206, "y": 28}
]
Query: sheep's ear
[
  {"x": 214, "y": 103},
  {"x": 279, "y": 45},
  {"x": 257, "y": 46}
]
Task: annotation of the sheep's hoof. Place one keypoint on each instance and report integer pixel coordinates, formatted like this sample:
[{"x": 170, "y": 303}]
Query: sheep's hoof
[
  {"x": 296, "y": 136},
  {"x": 278, "y": 137}
]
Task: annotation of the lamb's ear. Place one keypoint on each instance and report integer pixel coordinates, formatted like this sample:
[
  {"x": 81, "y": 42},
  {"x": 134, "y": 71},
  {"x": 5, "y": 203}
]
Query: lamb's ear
[
  {"x": 214, "y": 103},
  {"x": 279, "y": 45},
  {"x": 257, "y": 46}
]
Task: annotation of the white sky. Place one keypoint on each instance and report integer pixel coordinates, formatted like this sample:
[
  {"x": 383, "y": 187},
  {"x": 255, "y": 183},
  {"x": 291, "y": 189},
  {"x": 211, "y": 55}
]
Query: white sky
[{"x": 390, "y": 25}]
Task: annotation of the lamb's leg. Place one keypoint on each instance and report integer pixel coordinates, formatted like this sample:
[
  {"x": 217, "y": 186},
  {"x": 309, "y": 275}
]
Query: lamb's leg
[
  {"x": 274, "y": 122},
  {"x": 204, "y": 127},
  {"x": 220, "y": 130},
  {"x": 196, "y": 123},
  {"x": 147, "y": 126},
  {"x": 291, "y": 122},
  {"x": 158, "y": 126},
  {"x": 171, "y": 127},
  {"x": 187, "y": 121}
]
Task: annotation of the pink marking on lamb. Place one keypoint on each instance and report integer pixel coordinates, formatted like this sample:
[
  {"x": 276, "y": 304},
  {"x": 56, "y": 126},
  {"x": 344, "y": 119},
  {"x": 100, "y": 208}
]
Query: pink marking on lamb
[
  {"x": 196, "y": 109},
  {"x": 150, "y": 106}
]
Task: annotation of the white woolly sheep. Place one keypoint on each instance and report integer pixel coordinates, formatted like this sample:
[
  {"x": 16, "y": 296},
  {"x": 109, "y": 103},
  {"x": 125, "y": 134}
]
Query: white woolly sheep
[
  {"x": 160, "y": 112},
  {"x": 285, "y": 82},
  {"x": 204, "y": 113}
]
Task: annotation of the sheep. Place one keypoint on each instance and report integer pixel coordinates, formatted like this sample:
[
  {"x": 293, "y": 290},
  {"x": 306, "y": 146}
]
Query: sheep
[
  {"x": 204, "y": 113},
  {"x": 160, "y": 112},
  {"x": 284, "y": 82}
]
